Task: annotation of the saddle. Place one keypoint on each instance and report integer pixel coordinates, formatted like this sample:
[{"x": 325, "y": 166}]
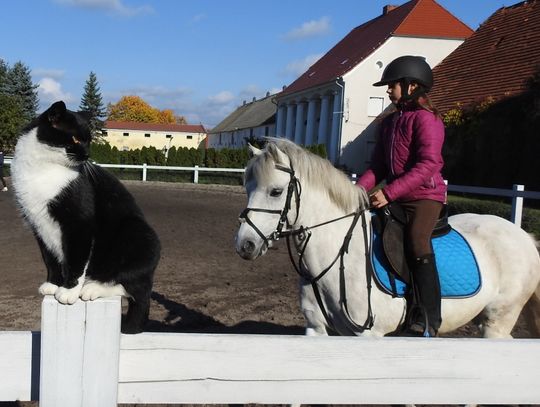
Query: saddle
[{"x": 389, "y": 223}]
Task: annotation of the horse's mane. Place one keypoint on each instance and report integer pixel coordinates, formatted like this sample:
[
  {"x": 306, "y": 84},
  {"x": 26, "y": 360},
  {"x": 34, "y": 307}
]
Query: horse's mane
[{"x": 314, "y": 170}]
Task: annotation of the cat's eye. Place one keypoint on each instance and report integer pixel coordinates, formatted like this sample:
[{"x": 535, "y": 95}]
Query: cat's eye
[{"x": 276, "y": 192}]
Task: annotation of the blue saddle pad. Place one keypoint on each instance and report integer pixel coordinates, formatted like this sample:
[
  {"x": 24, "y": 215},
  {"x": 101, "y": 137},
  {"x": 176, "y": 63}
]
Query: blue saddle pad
[{"x": 456, "y": 264}]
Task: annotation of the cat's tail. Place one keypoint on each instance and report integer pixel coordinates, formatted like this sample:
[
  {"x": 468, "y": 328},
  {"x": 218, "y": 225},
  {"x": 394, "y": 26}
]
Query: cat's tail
[{"x": 134, "y": 321}]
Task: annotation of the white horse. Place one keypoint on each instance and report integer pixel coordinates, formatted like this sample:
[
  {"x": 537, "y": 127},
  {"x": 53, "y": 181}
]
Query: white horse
[{"x": 296, "y": 194}]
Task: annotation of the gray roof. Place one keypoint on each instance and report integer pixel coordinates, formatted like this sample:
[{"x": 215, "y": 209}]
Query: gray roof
[{"x": 250, "y": 115}]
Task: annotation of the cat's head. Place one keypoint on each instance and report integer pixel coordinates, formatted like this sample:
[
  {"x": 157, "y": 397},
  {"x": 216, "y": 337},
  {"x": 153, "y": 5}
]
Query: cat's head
[{"x": 61, "y": 128}]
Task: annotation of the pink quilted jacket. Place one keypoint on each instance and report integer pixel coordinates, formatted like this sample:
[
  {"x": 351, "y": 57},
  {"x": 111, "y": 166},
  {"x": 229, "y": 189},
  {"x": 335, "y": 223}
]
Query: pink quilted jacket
[{"x": 408, "y": 155}]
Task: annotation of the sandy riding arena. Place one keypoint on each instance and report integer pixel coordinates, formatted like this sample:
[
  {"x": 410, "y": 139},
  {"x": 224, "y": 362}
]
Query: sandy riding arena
[{"x": 201, "y": 285}]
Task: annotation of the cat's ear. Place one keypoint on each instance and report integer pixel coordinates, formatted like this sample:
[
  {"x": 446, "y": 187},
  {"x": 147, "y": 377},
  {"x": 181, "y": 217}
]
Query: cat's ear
[{"x": 55, "y": 112}]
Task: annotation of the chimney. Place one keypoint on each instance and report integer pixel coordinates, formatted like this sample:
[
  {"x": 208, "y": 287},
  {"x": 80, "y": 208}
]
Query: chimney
[{"x": 387, "y": 9}]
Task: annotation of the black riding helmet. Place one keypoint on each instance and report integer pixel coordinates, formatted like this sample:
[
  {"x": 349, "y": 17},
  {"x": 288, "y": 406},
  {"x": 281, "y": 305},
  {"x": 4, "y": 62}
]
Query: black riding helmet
[{"x": 409, "y": 68}]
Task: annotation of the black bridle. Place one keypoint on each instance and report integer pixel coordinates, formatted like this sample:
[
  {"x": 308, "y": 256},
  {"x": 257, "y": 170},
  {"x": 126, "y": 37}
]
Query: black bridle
[
  {"x": 293, "y": 189},
  {"x": 303, "y": 235}
]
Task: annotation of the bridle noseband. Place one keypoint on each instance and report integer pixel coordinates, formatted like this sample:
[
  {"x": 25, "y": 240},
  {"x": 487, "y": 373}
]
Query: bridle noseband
[
  {"x": 293, "y": 189},
  {"x": 304, "y": 235}
]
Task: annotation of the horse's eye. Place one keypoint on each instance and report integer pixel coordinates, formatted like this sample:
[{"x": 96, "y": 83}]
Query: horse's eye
[{"x": 276, "y": 192}]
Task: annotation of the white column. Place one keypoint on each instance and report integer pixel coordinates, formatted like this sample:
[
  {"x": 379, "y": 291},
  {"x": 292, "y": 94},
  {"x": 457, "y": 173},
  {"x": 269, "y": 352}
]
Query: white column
[
  {"x": 310, "y": 127},
  {"x": 337, "y": 114},
  {"x": 280, "y": 120},
  {"x": 289, "y": 125},
  {"x": 323, "y": 121},
  {"x": 299, "y": 129}
]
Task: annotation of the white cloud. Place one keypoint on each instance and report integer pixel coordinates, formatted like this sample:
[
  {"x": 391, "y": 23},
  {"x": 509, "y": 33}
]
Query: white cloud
[
  {"x": 221, "y": 98},
  {"x": 116, "y": 7},
  {"x": 50, "y": 91},
  {"x": 299, "y": 66},
  {"x": 198, "y": 18},
  {"x": 309, "y": 29},
  {"x": 56, "y": 74}
]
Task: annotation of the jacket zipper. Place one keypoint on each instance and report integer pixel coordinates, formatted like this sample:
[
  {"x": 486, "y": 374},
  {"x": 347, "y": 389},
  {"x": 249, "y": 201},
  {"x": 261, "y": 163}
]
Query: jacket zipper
[{"x": 392, "y": 144}]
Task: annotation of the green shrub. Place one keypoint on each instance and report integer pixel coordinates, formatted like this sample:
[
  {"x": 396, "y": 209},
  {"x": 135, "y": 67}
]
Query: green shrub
[{"x": 529, "y": 222}]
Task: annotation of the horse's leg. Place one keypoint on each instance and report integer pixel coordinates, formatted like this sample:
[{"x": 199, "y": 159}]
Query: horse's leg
[
  {"x": 531, "y": 312},
  {"x": 315, "y": 322},
  {"x": 499, "y": 319}
]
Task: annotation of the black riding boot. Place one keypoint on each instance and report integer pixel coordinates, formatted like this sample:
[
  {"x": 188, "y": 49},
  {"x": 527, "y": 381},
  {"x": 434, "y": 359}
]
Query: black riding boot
[{"x": 425, "y": 312}]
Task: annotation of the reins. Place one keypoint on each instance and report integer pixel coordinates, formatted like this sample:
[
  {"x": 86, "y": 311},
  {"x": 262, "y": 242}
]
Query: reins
[{"x": 304, "y": 234}]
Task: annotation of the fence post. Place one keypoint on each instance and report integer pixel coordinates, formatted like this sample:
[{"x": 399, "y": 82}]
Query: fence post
[
  {"x": 196, "y": 175},
  {"x": 517, "y": 204},
  {"x": 144, "y": 171},
  {"x": 80, "y": 347}
]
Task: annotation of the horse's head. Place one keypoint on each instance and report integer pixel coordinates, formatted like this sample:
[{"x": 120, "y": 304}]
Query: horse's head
[{"x": 272, "y": 189}]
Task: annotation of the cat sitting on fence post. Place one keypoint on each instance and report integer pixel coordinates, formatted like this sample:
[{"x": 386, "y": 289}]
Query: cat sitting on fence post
[{"x": 93, "y": 237}]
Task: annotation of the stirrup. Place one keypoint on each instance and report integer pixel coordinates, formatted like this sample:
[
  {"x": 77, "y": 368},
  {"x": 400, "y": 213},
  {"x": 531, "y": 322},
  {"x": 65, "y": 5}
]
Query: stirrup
[{"x": 418, "y": 329}]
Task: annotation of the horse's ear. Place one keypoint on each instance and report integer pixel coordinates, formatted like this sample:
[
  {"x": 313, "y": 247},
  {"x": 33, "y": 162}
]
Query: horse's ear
[
  {"x": 279, "y": 156},
  {"x": 253, "y": 151}
]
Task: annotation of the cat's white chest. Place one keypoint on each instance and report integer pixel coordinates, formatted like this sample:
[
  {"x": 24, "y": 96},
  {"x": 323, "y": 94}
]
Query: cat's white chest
[{"x": 39, "y": 174}]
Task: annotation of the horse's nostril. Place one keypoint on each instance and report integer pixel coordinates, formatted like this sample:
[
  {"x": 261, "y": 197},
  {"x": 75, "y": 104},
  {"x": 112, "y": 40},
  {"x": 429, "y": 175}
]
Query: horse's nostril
[{"x": 248, "y": 246}]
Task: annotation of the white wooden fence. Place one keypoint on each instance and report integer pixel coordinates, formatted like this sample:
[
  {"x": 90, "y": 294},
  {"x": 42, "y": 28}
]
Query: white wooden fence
[
  {"x": 80, "y": 359},
  {"x": 517, "y": 193}
]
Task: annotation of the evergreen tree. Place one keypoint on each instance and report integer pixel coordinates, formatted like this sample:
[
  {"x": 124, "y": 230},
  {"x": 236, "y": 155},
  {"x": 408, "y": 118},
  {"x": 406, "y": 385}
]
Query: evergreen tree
[
  {"x": 19, "y": 84},
  {"x": 92, "y": 102},
  {"x": 3, "y": 76},
  {"x": 11, "y": 121}
]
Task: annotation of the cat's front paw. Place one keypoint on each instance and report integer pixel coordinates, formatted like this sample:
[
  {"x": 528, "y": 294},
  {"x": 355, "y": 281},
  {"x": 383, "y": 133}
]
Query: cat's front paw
[
  {"x": 67, "y": 295},
  {"x": 47, "y": 288},
  {"x": 92, "y": 291}
]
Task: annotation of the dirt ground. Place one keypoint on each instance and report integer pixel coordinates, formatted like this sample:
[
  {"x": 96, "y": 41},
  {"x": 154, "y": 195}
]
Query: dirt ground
[{"x": 200, "y": 285}]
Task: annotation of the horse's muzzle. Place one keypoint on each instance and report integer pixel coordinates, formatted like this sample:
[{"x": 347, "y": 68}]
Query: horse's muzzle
[{"x": 248, "y": 250}]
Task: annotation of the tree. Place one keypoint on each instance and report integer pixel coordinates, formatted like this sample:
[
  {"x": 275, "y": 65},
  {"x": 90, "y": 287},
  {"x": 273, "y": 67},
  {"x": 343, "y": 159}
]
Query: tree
[
  {"x": 11, "y": 121},
  {"x": 3, "y": 76},
  {"x": 19, "y": 84},
  {"x": 135, "y": 109},
  {"x": 92, "y": 102}
]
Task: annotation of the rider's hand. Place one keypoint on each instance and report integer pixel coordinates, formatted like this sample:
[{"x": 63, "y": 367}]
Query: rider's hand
[{"x": 378, "y": 199}]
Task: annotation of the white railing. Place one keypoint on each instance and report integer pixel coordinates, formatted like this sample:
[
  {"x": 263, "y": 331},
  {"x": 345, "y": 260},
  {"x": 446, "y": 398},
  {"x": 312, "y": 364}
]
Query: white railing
[
  {"x": 82, "y": 360},
  {"x": 517, "y": 193},
  {"x": 196, "y": 169}
]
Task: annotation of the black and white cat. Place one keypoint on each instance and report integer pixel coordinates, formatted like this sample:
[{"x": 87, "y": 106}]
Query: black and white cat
[{"x": 93, "y": 238}]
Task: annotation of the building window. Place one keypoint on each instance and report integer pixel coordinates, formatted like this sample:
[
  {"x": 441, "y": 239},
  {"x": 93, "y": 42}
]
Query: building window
[
  {"x": 146, "y": 134},
  {"x": 126, "y": 134},
  {"x": 189, "y": 137},
  {"x": 168, "y": 136},
  {"x": 375, "y": 106}
]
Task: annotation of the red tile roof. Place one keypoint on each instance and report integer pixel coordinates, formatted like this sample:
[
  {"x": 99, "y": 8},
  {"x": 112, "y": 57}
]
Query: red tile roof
[
  {"x": 495, "y": 61},
  {"x": 419, "y": 18},
  {"x": 180, "y": 128}
]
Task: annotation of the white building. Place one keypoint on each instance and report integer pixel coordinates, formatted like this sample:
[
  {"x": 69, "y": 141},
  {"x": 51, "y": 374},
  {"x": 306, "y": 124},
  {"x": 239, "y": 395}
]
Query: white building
[
  {"x": 334, "y": 102},
  {"x": 254, "y": 119}
]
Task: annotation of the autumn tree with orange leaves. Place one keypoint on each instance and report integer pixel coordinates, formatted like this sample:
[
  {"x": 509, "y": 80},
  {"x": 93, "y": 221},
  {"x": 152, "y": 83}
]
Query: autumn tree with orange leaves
[{"x": 135, "y": 109}]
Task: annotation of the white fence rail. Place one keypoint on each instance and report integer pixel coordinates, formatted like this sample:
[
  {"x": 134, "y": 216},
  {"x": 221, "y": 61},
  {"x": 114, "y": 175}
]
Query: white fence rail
[{"x": 86, "y": 362}]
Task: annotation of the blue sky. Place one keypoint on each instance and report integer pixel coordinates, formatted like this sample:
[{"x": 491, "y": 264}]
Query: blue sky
[{"x": 201, "y": 58}]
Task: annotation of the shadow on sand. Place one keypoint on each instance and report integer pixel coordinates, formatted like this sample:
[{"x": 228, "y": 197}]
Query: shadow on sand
[{"x": 190, "y": 321}]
